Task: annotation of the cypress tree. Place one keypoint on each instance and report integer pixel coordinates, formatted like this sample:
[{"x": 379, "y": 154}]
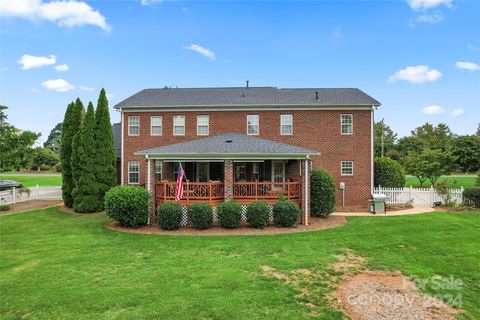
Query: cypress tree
[
  {"x": 105, "y": 169},
  {"x": 78, "y": 114},
  {"x": 65, "y": 156},
  {"x": 85, "y": 193}
]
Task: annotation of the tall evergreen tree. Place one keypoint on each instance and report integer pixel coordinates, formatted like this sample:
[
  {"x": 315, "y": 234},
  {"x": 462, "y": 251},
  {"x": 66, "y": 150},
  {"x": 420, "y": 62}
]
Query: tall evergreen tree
[
  {"x": 105, "y": 169},
  {"x": 66, "y": 155},
  {"x": 78, "y": 114},
  {"x": 85, "y": 193}
]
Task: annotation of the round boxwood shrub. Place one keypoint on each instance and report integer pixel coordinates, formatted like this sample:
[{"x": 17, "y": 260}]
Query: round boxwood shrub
[
  {"x": 285, "y": 213},
  {"x": 200, "y": 215},
  {"x": 472, "y": 196},
  {"x": 169, "y": 215},
  {"x": 128, "y": 205},
  {"x": 257, "y": 215},
  {"x": 389, "y": 173},
  {"x": 323, "y": 193},
  {"x": 229, "y": 214}
]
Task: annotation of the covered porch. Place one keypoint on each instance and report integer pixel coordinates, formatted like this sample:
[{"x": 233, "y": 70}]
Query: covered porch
[{"x": 230, "y": 166}]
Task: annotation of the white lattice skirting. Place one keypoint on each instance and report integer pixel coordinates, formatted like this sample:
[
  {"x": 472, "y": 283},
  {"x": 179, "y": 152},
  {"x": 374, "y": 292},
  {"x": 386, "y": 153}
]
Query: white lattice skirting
[{"x": 215, "y": 214}]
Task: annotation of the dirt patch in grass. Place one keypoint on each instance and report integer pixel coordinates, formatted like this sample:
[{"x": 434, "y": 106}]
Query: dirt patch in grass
[
  {"x": 314, "y": 225},
  {"x": 31, "y": 205},
  {"x": 372, "y": 295}
]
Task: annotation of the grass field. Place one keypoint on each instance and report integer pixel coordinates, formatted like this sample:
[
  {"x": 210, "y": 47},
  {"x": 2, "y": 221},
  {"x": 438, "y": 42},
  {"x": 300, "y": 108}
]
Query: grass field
[
  {"x": 60, "y": 266},
  {"x": 455, "y": 181},
  {"x": 32, "y": 180}
]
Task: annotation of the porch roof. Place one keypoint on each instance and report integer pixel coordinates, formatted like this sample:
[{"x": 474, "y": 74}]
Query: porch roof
[{"x": 232, "y": 145}]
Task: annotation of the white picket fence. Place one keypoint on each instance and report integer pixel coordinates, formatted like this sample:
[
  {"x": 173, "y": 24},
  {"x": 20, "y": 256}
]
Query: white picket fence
[
  {"x": 14, "y": 195},
  {"x": 419, "y": 196}
]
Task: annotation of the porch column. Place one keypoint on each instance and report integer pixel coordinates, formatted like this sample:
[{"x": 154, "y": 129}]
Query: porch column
[
  {"x": 305, "y": 192},
  {"x": 151, "y": 189},
  {"x": 228, "y": 179}
]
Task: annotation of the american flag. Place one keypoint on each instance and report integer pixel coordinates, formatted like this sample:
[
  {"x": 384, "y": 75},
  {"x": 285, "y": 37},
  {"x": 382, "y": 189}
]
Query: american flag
[{"x": 179, "y": 192}]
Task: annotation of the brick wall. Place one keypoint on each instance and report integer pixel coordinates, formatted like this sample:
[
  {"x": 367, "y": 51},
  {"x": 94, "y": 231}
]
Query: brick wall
[{"x": 318, "y": 130}]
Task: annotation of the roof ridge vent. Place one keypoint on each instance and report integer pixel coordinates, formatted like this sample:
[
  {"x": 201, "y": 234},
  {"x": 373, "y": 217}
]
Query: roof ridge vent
[{"x": 229, "y": 141}]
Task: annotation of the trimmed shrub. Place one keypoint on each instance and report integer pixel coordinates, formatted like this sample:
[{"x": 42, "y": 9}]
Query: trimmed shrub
[
  {"x": 229, "y": 214},
  {"x": 128, "y": 205},
  {"x": 257, "y": 215},
  {"x": 323, "y": 193},
  {"x": 4, "y": 207},
  {"x": 200, "y": 215},
  {"x": 389, "y": 173},
  {"x": 169, "y": 215},
  {"x": 285, "y": 213},
  {"x": 471, "y": 196}
]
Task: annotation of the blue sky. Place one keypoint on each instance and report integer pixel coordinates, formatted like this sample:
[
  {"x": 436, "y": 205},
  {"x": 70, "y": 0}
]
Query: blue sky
[{"x": 419, "y": 58}]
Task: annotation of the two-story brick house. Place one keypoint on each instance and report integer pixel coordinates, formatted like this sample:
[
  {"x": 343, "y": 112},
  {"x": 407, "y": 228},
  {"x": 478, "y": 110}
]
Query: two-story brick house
[{"x": 248, "y": 144}]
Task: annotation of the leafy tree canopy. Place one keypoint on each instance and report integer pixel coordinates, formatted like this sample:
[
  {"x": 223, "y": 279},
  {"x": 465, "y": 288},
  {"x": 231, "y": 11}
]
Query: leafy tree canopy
[{"x": 54, "y": 139}]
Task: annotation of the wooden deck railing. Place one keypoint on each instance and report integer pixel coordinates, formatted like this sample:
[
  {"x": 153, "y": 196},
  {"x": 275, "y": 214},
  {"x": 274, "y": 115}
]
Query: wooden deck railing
[
  {"x": 247, "y": 192},
  {"x": 210, "y": 192}
]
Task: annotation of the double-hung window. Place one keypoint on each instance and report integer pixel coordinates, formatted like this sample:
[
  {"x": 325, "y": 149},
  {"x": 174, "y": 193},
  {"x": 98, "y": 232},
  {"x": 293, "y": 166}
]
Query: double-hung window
[
  {"x": 347, "y": 123},
  {"x": 253, "y": 127},
  {"x": 347, "y": 168},
  {"x": 286, "y": 124},
  {"x": 133, "y": 171},
  {"x": 202, "y": 125},
  {"x": 158, "y": 170},
  {"x": 133, "y": 125},
  {"x": 179, "y": 125},
  {"x": 156, "y": 125}
]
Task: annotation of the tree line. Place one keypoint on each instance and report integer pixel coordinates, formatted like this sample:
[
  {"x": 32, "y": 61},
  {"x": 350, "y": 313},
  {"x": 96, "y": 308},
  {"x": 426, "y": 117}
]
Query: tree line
[
  {"x": 429, "y": 151},
  {"x": 87, "y": 155}
]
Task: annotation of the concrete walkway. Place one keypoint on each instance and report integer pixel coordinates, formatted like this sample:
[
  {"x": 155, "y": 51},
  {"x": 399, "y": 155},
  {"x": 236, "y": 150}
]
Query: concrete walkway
[{"x": 414, "y": 210}]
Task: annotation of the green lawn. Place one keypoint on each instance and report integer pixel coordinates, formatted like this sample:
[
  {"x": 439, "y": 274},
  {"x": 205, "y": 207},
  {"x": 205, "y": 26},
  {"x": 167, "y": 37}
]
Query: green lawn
[
  {"x": 464, "y": 180},
  {"x": 31, "y": 181},
  {"x": 60, "y": 266}
]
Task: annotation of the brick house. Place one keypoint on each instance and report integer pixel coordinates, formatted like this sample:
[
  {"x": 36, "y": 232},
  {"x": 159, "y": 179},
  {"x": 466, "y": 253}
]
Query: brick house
[{"x": 248, "y": 144}]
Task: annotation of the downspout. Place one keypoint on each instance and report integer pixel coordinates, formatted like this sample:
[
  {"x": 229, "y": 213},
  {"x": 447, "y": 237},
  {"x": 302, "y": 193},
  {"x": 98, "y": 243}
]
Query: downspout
[
  {"x": 122, "y": 147},
  {"x": 307, "y": 190},
  {"x": 148, "y": 183},
  {"x": 372, "y": 150}
]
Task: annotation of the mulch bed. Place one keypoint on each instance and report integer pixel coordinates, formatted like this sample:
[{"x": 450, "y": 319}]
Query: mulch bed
[
  {"x": 71, "y": 211},
  {"x": 31, "y": 205},
  {"x": 243, "y": 230}
]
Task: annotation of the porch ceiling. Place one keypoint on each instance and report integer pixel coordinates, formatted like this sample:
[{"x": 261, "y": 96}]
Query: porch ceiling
[{"x": 230, "y": 145}]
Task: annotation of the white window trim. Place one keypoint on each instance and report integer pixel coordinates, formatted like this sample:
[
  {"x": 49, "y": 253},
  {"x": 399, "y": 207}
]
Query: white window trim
[
  {"x": 138, "y": 182},
  {"x": 283, "y": 169},
  {"x": 341, "y": 124},
  {"x": 258, "y": 125},
  {"x": 129, "y": 133},
  {"x": 184, "y": 125},
  {"x": 281, "y": 125},
  {"x": 341, "y": 168},
  {"x": 208, "y": 125},
  {"x": 151, "y": 126}
]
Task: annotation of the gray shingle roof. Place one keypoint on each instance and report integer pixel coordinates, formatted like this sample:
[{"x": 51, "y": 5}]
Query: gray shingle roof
[
  {"x": 241, "y": 97},
  {"x": 229, "y": 145},
  {"x": 117, "y": 138}
]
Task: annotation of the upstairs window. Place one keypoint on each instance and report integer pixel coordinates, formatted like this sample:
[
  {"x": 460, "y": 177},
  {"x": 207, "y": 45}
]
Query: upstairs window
[
  {"x": 133, "y": 125},
  {"x": 347, "y": 123},
  {"x": 158, "y": 170},
  {"x": 286, "y": 124},
  {"x": 347, "y": 168},
  {"x": 133, "y": 172},
  {"x": 179, "y": 125},
  {"x": 253, "y": 127},
  {"x": 156, "y": 125},
  {"x": 202, "y": 125}
]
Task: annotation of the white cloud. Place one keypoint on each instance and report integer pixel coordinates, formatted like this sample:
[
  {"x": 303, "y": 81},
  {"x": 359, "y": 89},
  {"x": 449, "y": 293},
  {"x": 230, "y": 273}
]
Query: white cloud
[
  {"x": 203, "y": 51},
  {"x": 149, "y": 2},
  {"x": 418, "y": 5},
  {"x": 29, "y": 62},
  {"x": 61, "y": 67},
  {"x": 467, "y": 65},
  {"x": 110, "y": 95},
  {"x": 457, "y": 112},
  {"x": 416, "y": 74},
  {"x": 433, "y": 109},
  {"x": 471, "y": 47},
  {"x": 69, "y": 14},
  {"x": 430, "y": 18},
  {"x": 85, "y": 88},
  {"x": 58, "y": 85}
]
